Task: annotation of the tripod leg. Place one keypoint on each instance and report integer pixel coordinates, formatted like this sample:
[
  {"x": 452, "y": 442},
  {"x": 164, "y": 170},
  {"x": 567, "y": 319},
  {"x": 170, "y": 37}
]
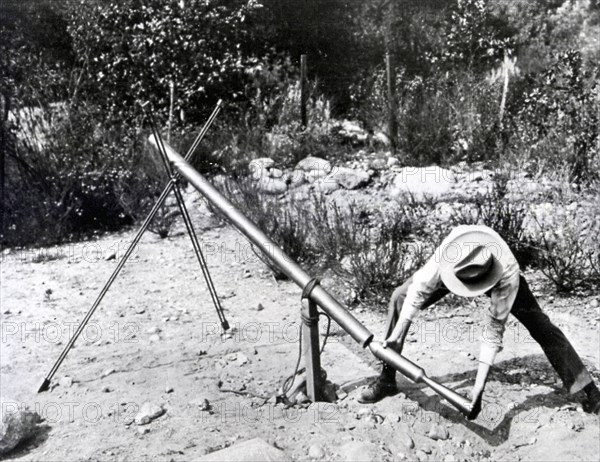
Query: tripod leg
[
  {"x": 102, "y": 293},
  {"x": 200, "y": 256}
]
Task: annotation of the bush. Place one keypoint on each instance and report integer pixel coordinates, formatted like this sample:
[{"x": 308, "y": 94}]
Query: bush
[
  {"x": 287, "y": 223},
  {"x": 567, "y": 233},
  {"x": 67, "y": 177},
  {"x": 505, "y": 216},
  {"x": 556, "y": 123}
]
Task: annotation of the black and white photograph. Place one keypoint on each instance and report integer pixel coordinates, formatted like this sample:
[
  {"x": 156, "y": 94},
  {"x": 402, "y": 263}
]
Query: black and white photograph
[{"x": 299, "y": 230}]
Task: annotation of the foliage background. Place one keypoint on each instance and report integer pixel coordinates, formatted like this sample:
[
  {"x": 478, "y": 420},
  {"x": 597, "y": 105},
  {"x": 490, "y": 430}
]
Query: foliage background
[{"x": 73, "y": 74}]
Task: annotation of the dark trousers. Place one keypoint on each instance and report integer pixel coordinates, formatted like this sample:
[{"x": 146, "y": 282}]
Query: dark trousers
[{"x": 559, "y": 351}]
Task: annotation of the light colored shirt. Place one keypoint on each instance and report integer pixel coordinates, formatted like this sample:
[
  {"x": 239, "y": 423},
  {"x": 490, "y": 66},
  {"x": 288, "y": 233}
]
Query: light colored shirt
[{"x": 427, "y": 279}]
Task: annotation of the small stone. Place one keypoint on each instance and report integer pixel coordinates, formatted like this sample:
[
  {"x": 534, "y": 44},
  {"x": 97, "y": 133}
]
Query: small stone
[
  {"x": 106, "y": 389},
  {"x": 204, "y": 405},
  {"x": 392, "y": 161},
  {"x": 140, "y": 310},
  {"x": 148, "y": 412},
  {"x": 405, "y": 440},
  {"x": 421, "y": 455},
  {"x": 154, "y": 338},
  {"x": 401, "y": 456},
  {"x": 169, "y": 389},
  {"x": 468, "y": 320},
  {"x": 143, "y": 430},
  {"x": 241, "y": 359},
  {"x": 532, "y": 441},
  {"x": 374, "y": 419},
  {"x": 107, "y": 372},
  {"x": 66, "y": 381},
  {"x": 438, "y": 432},
  {"x": 450, "y": 458},
  {"x": 594, "y": 303},
  {"x": 111, "y": 256},
  {"x": 260, "y": 307},
  {"x": 153, "y": 330},
  {"x": 316, "y": 452}
]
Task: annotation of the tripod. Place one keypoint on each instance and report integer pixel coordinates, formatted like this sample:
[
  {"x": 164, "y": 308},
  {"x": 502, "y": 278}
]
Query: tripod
[{"x": 172, "y": 185}]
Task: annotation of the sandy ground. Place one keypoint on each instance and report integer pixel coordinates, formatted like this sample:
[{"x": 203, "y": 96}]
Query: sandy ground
[{"x": 156, "y": 338}]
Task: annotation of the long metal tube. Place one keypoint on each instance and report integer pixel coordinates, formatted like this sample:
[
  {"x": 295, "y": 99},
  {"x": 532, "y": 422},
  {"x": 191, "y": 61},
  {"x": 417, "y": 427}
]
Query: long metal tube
[
  {"x": 417, "y": 374},
  {"x": 318, "y": 295},
  {"x": 284, "y": 262}
]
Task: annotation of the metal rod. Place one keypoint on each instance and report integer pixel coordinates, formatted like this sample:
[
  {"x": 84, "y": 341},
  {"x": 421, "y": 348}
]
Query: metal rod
[
  {"x": 285, "y": 263},
  {"x": 318, "y": 294},
  {"x": 190, "y": 228},
  {"x": 417, "y": 374},
  {"x": 102, "y": 293},
  {"x": 312, "y": 355},
  {"x": 46, "y": 383}
]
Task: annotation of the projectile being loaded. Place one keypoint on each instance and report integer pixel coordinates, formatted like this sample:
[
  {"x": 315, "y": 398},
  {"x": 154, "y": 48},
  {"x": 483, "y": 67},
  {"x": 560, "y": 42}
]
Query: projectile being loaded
[{"x": 313, "y": 291}]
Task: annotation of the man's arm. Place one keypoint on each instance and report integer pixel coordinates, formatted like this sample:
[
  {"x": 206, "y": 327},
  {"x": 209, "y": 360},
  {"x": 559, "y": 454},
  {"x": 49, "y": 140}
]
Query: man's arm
[
  {"x": 398, "y": 336},
  {"x": 424, "y": 282}
]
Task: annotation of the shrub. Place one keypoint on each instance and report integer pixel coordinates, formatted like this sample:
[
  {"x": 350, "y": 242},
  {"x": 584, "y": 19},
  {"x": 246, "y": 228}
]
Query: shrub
[
  {"x": 505, "y": 216},
  {"x": 67, "y": 177},
  {"x": 567, "y": 234},
  {"x": 287, "y": 222},
  {"x": 557, "y": 119}
]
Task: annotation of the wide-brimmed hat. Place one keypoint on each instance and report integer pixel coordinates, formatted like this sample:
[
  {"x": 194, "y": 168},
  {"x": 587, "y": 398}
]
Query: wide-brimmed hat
[{"x": 472, "y": 260}]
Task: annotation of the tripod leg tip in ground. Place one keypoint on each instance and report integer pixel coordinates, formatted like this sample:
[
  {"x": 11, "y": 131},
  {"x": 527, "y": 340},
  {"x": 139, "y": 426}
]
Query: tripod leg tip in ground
[{"x": 45, "y": 386}]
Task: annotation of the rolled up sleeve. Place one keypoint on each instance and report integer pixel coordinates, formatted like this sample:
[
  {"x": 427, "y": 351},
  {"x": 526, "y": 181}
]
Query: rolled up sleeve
[
  {"x": 502, "y": 297},
  {"x": 425, "y": 281}
]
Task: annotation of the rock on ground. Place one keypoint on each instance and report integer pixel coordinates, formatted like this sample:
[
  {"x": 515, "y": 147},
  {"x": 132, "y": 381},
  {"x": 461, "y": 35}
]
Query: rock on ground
[
  {"x": 314, "y": 164},
  {"x": 271, "y": 185},
  {"x": 17, "y": 424},
  {"x": 148, "y": 412},
  {"x": 359, "y": 451},
  {"x": 349, "y": 178},
  {"x": 438, "y": 432},
  {"x": 423, "y": 182}
]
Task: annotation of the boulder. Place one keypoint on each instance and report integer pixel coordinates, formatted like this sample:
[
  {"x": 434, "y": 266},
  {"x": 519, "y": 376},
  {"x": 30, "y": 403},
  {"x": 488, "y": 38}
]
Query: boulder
[
  {"x": 422, "y": 182},
  {"x": 311, "y": 163},
  {"x": 349, "y": 178},
  {"x": 261, "y": 162},
  {"x": 17, "y": 424},
  {"x": 295, "y": 178},
  {"x": 259, "y": 168},
  {"x": 271, "y": 185},
  {"x": 275, "y": 173},
  {"x": 326, "y": 185}
]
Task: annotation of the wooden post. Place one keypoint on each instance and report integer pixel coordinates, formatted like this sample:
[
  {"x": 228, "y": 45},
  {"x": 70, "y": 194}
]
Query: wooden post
[
  {"x": 171, "y": 103},
  {"x": 311, "y": 351},
  {"x": 391, "y": 90},
  {"x": 303, "y": 95}
]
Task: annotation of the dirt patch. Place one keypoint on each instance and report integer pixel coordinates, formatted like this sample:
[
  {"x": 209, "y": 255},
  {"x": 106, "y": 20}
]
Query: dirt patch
[{"x": 156, "y": 339}]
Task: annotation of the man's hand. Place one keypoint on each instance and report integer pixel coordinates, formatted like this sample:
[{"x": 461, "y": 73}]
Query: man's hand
[{"x": 392, "y": 343}]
